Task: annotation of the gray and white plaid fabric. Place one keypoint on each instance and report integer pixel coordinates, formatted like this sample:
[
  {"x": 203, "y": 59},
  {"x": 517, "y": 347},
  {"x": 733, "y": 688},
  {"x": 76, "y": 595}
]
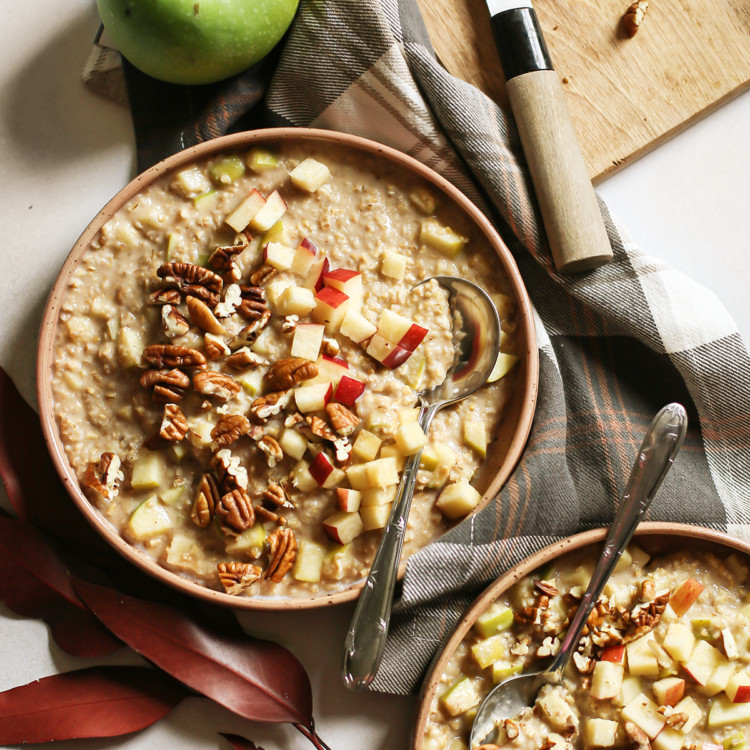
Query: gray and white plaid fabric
[{"x": 615, "y": 344}]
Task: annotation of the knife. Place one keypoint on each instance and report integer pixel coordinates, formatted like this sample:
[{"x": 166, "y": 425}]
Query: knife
[{"x": 572, "y": 220}]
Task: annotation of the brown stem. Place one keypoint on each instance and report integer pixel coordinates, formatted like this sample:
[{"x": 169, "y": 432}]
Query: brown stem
[{"x": 312, "y": 735}]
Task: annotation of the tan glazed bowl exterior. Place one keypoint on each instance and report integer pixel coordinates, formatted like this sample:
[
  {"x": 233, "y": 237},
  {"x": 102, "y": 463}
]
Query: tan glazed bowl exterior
[
  {"x": 655, "y": 538},
  {"x": 509, "y": 440}
]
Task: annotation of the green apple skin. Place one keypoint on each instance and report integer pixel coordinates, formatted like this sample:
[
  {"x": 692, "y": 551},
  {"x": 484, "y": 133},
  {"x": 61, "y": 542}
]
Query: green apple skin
[{"x": 195, "y": 41}]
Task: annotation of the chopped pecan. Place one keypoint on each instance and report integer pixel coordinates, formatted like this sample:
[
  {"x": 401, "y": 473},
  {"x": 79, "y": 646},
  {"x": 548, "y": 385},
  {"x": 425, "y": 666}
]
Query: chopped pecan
[
  {"x": 184, "y": 276},
  {"x": 320, "y": 427},
  {"x": 174, "y": 426},
  {"x": 677, "y": 719},
  {"x": 244, "y": 358},
  {"x": 270, "y": 446},
  {"x": 104, "y": 475},
  {"x": 206, "y": 499},
  {"x": 230, "y": 301},
  {"x": 201, "y": 315},
  {"x": 262, "y": 274},
  {"x": 216, "y": 384},
  {"x": 264, "y": 514},
  {"x": 289, "y": 323},
  {"x": 169, "y": 356},
  {"x": 248, "y": 335},
  {"x": 637, "y": 736},
  {"x": 173, "y": 322},
  {"x": 546, "y": 588},
  {"x": 584, "y": 664},
  {"x": 511, "y": 729},
  {"x": 277, "y": 495},
  {"x": 330, "y": 347},
  {"x": 269, "y": 405},
  {"x": 216, "y": 347},
  {"x": 168, "y": 386},
  {"x": 231, "y": 474},
  {"x": 237, "y": 577},
  {"x": 235, "y": 511},
  {"x": 342, "y": 420},
  {"x": 223, "y": 259},
  {"x": 342, "y": 455},
  {"x": 293, "y": 420},
  {"x": 229, "y": 429},
  {"x": 634, "y": 16},
  {"x": 282, "y": 551},
  {"x": 288, "y": 372},
  {"x": 165, "y": 297},
  {"x": 648, "y": 590}
]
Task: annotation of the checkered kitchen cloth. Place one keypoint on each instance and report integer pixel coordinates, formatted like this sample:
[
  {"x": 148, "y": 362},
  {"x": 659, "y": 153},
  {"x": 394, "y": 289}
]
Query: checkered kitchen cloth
[{"x": 615, "y": 344}]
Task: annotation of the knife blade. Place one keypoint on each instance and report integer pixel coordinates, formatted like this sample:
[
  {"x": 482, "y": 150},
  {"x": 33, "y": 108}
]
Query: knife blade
[{"x": 567, "y": 202}]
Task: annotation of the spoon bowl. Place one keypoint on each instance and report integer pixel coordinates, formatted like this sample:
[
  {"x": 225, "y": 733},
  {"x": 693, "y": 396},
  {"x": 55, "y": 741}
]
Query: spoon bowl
[{"x": 476, "y": 342}]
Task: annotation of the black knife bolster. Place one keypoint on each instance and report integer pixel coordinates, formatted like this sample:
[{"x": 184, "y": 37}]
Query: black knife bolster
[{"x": 520, "y": 43}]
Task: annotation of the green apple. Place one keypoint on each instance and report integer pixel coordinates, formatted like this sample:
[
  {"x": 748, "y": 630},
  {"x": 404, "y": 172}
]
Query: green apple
[{"x": 195, "y": 41}]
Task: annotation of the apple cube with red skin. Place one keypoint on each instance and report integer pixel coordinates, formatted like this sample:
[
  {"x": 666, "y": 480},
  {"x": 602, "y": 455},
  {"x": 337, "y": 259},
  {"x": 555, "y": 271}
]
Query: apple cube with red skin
[
  {"x": 314, "y": 278},
  {"x": 246, "y": 211},
  {"x": 386, "y": 352},
  {"x": 669, "y": 691},
  {"x": 400, "y": 330},
  {"x": 343, "y": 527},
  {"x": 685, "y": 596},
  {"x": 330, "y": 307},
  {"x": 347, "y": 281},
  {"x": 324, "y": 472},
  {"x": 738, "y": 688},
  {"x": 307, "y": 340},
  {"x": 348, "y": 500},
  {"x": 271, "y": 211},
  {"x": 278, "y": 256},
  {"x": 330, "y": 369},
  {"x": 615, "y": 654},
  {"x": 356, "y": 327},
  {"x": 304, "y": 256},
  {"x": 313, "y": 397},
  {"x": 704, "y": 658},
  {"x": 348, "y": 390}
]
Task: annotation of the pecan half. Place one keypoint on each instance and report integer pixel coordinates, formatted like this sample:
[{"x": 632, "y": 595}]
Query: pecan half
[
  {"x": 637, "y": 736},
  {"x": 264, "y": 407},
  {"x": 103, "y": 476},
  {"x": 200, "y": 313},
  {"x": 253, "y": 305},
  {"x": 169, "y": 356},
  {"x": 235, "y": 511},
  {"x": 262, "y": 274},
  {"x": 229, "y": 429},
  {"x": 168, "y": 386},
  {"x": 231, "y": 474},
  {"x": 244, "y": 358},
  {"x": 216, "y": 347},
  {"x": 546, "y": 588},
  {"x": 206, "y": 499},
  {"x": 270, "y": 446},
  {"x": 173, "y": 322},
  {"x": 288, "y": 372},
  {"x": 277, "y": 495},
  {"x": 237, "y": 577},
  {"x": 342, "y": 420},
  {"x": 183, "y": 276},
  {"x": 223, "y": 259},
  {"x": 174, "y": 425},
  {"x": 320, "y": 428},
  {"x": 165, "y": 297},
  {"x": 634, "y": 16},
  {"x": 282, "y": 551},
  {"x": 217, "y": 385}
]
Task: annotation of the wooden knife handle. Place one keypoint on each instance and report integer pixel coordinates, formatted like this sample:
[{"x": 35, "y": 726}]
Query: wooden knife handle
[{"x": 571, "y": 215}]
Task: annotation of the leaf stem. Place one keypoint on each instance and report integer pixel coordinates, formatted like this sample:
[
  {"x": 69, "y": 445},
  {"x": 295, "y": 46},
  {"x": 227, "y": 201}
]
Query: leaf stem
[{"x": 312, "y": 735}]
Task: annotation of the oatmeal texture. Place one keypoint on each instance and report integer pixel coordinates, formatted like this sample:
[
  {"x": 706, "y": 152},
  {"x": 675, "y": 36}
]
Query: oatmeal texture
[
  {"x": 663, "y": 662},
  {"x": 198, "y": 348}
]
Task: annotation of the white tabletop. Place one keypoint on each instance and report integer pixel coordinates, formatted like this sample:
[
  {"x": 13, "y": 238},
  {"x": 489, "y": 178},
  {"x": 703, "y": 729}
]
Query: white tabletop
[{"x": 65, "y": 152}]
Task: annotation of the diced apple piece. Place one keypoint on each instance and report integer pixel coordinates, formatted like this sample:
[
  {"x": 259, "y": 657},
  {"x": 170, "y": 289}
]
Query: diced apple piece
[
  {"x": 424, "y": 200},
  {"x": 738, "y": 688},
  {"x": 606, "y": 680},
  {"x": 312, "y": 397},
  {"x": 304, "y": 256},
  {"x": 719, "y": 679},
  {"x": 475, "y": 436},
  {"x": 308, "y": 565},
  {"x": 400, "y": 330},
  {"x": 631, "y": 687},
  {"x": 226, "y": 170},
  {"x": 357, "y": 476},
  {"x": 615, "y": 654},
  {"x": 643, "y": 712},
  {"x": 148, "y": 472},
  {"x": 503, "y": 365},
  {"x": 148, "y": 520},
  {"x": 641, "y": 659},
  {"x": 348, "y": 500},
  {"x": 447, "y": 458},
  {"x": 278, "y": 256},
  {"x": 293, "y": 443},
  {"x": 679, "y": 641},
  {"x": 366, "y": 445},
  {"x": 378, "y": 495},
  {"x": 704, "y": 658},
  {"x": 190, "y": 182},
  {"x": 457, "y": 500},
  {"x": 669, "y": 691},
  {"x": 348, "y": 390},
  {"x": 347, "y": 281},
  {"x": 251, "y": 381},
  {"x": 321, "y": 468},
  {"x": 393, "y": 264},
  {"x": 600, "y": 732},
  {"x": 391, "y": 450},
  {"x": 502, "y": 669},
  {"x": 129, "y": 348},
  {"x": 668, "y": 739},
  {"x": 729, "y": 643},
  {"x": 410, "y": 438},
  {"x": 497, "y": 617},
  {"x": 429, "y": 458},
  {"x": 249, "y": 543},
  {"x": 296, "y": 300},
  {"x": 460, "y": 696},
  {"x": 558, "y": 712},
  {"x": 330, "y": 369},
  {"x": 723, "y": 712},
  {"x": 270, "y": 212},
  {"x": 375, "y": 516},
  {"x": 488, "y": 650},
  {"x": 388, "y": 354},
  {"x": 343, "y": 527},
  {"x": 173, "y": 495},
  {"x": 314, "y": 278},
  {"x": 261, "y": 159},
  {"x": 694, "y": 713},
  {"x": 309, "y": 175},
  {"x": 356, "y": 327},
  {"x": 330, "y": 308},
  {"x": 246, "y": 211},
  {"x": 307, "y": 340},
  {"x": 685, "y": 595},
  {"x": 302, "y": 479},
  {"x": 382, "y": 472},
  {"x": 441, "y": 238}
]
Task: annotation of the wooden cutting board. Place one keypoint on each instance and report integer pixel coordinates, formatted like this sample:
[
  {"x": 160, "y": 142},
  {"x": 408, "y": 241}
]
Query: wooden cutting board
[{"x": 626, "y": 95}]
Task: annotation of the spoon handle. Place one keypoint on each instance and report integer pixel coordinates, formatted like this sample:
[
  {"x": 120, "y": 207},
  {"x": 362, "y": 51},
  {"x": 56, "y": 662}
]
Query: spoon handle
[
  {"x": 655, "y": 457},
  {"x": 365, "y": 640}
]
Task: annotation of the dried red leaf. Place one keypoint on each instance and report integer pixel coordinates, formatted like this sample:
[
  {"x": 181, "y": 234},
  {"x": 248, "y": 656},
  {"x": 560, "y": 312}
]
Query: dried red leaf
[
  {"x": 34, "y": 582},
  {"x": 96, "y": 702},
  {"x": 238, "y": 742},
  {"x": 256, "y": 679}
]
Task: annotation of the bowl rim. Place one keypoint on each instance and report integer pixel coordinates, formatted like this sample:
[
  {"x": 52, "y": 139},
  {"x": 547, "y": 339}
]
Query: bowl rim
[
  {"x": 526, "y": 566},
  {"x": 527, "y": 389}
]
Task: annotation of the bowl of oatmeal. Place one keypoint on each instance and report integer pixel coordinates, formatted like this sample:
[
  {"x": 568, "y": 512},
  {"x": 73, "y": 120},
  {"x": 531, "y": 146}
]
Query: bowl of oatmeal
[
  {"x": 665, "y": 661},
  {"x": 230, "y": 360}
]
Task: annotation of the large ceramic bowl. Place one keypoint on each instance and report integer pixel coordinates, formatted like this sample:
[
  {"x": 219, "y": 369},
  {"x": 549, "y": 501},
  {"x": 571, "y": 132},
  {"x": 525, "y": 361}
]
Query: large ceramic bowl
[
  {"x": 507, "y": 442},
  {"x": 655, "y": 538}
]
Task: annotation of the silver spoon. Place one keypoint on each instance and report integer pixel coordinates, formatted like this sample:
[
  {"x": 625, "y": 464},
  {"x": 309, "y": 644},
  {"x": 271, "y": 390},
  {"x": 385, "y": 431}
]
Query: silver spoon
[
  {"x": 655, "y": 457},
  {"x": 476, "y": 341}
]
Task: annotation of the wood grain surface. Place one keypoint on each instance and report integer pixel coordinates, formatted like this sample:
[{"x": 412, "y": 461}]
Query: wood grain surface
[{"x": 626, "y": 95}]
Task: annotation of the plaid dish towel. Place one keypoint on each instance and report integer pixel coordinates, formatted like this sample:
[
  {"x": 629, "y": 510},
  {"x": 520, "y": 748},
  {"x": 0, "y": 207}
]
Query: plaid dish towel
[{"x": 615, "y": 344}]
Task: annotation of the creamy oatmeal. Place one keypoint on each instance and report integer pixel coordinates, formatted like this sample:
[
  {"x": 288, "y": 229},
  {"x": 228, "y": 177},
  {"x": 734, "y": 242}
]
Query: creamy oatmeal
[
  {"x": 664, "y": 664},
  {"x": 238, "y": 360}
]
